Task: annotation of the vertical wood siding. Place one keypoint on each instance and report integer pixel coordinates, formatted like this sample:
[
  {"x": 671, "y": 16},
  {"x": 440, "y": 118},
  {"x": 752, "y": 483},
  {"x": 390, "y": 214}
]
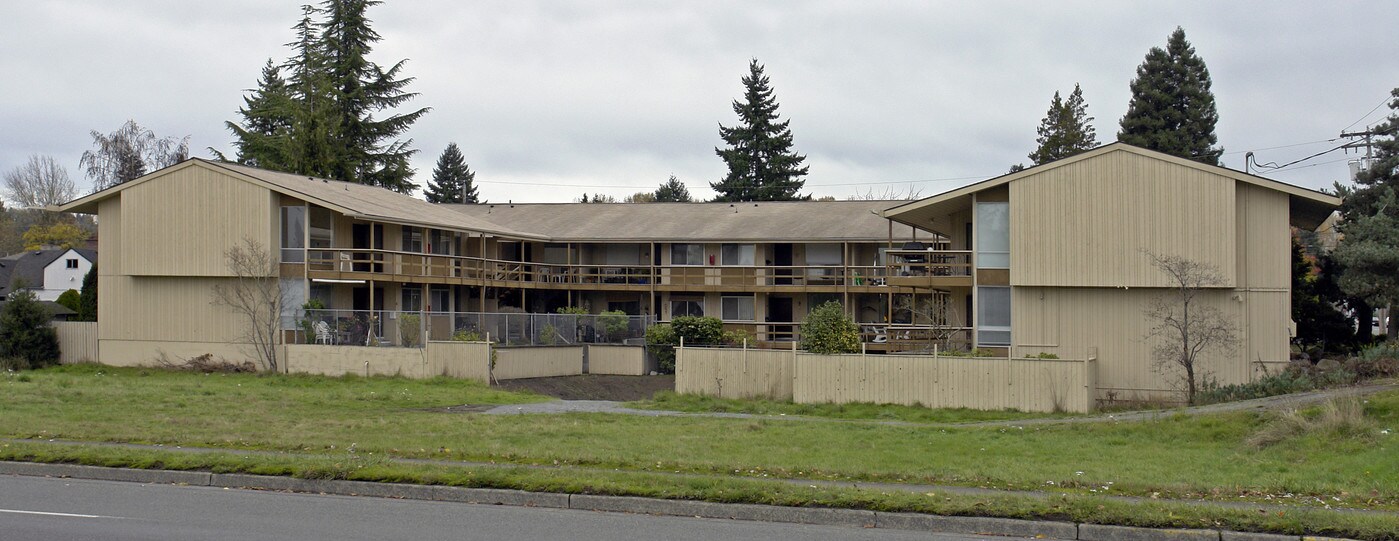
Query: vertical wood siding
[
  {"x": 1086, "y": 224},
  {"x": 182, "y": 223},
  {"x": 77, "y": 341},
  {"x": 165, "y": 308},
  {"x": 617, "y": 360},
  {"x": 734, "y": 373},
  {"x": 946, "y": 382},
  {"x": 538, "y": 362}
]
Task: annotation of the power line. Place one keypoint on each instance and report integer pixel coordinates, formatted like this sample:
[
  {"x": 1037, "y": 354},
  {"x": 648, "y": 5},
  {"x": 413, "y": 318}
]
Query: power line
[
  {"x": 1274, "y": 166},
  {"x": 571, "y": 185},
  {"x": 1367, "y": 115}
]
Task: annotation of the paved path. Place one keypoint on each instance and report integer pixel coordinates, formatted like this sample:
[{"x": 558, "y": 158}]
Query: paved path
[{"x": 1260, "y": 404}]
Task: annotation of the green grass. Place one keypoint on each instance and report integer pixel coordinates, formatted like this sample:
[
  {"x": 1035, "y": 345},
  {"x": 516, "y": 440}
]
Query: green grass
[
  {"x": 1204, "y": 457},
  {"x": 1067, "y": 507},
  {"x": 861, "y": 411}
]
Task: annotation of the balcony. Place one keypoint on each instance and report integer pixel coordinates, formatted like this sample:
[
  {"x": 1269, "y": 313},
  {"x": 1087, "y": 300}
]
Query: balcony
[{"x": 929, "y": 268}]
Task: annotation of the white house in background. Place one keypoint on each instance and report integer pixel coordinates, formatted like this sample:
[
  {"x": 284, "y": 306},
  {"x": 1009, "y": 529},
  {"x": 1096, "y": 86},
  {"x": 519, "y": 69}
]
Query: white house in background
[{"x": 48, "y": 273}]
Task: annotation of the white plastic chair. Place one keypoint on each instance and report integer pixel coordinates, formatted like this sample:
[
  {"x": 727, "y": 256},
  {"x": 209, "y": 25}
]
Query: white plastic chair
[{"x": 323, "y": 335}]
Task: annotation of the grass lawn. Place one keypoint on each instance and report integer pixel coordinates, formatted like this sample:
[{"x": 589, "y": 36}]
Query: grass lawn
[
  {"x": 1203, "y": 457},
  {"x": 707, "y": 404}
]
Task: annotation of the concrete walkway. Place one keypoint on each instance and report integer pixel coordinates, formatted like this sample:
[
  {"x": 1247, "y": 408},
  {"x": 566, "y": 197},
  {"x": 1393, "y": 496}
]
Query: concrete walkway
[{"x": 1260, "y": 404}]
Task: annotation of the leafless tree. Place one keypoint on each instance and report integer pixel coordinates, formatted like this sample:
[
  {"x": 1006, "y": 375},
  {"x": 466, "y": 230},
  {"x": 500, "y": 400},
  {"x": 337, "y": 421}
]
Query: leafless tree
[
  {"x": 40, "y": 182},
  {"x": 255, "y": 294},
  {"x": 129, "y": 152},
  {"x": 940, "y": 315},
  {"x": 889, "y": 194},
  {"x": 1184, "y": 326}
]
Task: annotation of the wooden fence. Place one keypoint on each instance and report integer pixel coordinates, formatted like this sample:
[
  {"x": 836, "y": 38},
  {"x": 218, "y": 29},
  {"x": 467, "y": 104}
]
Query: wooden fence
[
  {"x": 933, "y": 381},
  {"x": 538, "y": 362},
  {"x": 77, "y": 341},
  {"x": 617, "y": 360}
]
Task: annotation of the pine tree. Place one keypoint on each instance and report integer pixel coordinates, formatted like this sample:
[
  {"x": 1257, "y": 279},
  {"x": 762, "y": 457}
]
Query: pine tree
[
  {"x": 1066, "y": 129},
  {"x": 327, "y": 105},
  {"x": 762, "y": 164},
  {"x": 672, "y": 191},
  {"x": 87, "y": 297},
  {"x": 1172, "y": 109},
  {"x": 25, "y": 332},
  {"x": 452, "y": 180},
  {"x": 1369, "y": 249}
]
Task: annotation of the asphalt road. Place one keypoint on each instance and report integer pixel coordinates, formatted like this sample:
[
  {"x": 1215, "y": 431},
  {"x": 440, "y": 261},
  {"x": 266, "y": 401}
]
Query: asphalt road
[{"x": 37, "y": 508}]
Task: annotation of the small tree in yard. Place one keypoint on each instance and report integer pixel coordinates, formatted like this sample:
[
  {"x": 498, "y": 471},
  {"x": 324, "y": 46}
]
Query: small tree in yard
[
  {"x": 87, "y": 298},
  {"x": 26, "y": 338},
  {"x": 696, "y": 330},
  {"x": 255, "y": 294},
  {"x": 828, "y": 330},
  {"x": 1184, "y": 325}
]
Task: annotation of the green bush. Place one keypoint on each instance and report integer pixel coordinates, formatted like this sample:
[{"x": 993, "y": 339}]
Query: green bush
[
  {"x": 87, "y": 298},
  {"x": 828, "y": 330},
  {"x": 1377, "y": 361},
  {"x": 71, "y": 300},
  {"x": 573, "y": 310},
  {"x": 660, "y": 343},
  {"x": 699, "y": 330},
  {"x": 548, "y": 335},
  {"x": 614, "y": 323},
  {"x": 25, "y": 332},
  {"x": 662, "y": 339},
  {"x": 410, "y": 326},
  {"x": 466, "y": 335}
]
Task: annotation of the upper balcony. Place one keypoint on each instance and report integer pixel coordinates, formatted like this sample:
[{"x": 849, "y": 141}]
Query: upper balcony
[{"x": 905, "y": 268}]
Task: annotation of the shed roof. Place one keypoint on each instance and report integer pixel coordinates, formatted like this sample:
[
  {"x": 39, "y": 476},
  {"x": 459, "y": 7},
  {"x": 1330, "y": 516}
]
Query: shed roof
[
  {"x": 1308, "y": 208},
  {"x": 768, "y": 221}
]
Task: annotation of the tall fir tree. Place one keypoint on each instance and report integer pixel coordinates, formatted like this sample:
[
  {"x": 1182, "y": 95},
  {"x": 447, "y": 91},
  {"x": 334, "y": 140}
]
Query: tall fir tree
[
  {"x": 673, "y": 191},
  {"x": 452, "y": 180},
  {"x": 326, "y": 106},
  {"x": 762, "y": 164},
  {"x": 1066, "y": 129},
  {"x": 1369, "y": 248},
  {"x": 1172, "y": 108}
]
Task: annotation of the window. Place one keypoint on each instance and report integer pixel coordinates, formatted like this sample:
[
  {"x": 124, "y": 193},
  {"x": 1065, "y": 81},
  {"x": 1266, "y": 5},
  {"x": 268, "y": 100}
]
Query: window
[
  {"x": 293, "y": 234},
  {"x": 440, "y": 299},
  {"x": 993, "y": 235},
  {"x": 322, "y": 230},
  {"x": 680, "y": 308},
  {"x": 993, "y": 316},
  {"x": 687, "y": 254},
  {"x": 440, "y": 242},
  {"x": 823, "y": 254},
  {"x": 736, "y": 308},
  {"x": 70, "y": 263},
  {"x": 412, "y": 298},
  {"x": 736, "y": 254},
  {"x": 412, "y": 239}
]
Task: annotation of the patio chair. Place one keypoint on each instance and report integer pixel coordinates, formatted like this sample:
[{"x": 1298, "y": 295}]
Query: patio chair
[{"x": 323, "y": 334}]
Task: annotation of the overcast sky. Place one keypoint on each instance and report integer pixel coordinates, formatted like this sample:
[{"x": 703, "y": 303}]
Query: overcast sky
[{"x": 552, "y": 99}]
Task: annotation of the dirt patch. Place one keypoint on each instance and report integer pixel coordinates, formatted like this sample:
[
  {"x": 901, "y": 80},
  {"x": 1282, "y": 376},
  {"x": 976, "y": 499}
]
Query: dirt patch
[{"x": 593, "y": 387}]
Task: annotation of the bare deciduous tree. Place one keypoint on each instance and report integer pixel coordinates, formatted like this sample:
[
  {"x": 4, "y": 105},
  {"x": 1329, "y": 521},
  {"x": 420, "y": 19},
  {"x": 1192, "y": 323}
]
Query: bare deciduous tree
[
  {"x": 1184, "y": 325},
  {"x": 129, "y": 152},
  {"x": 40, "y": 182},
  {"x": 255, "y": 294},
  {"x": 889, "y": 194},
  {"x": 945, "y": 328}
]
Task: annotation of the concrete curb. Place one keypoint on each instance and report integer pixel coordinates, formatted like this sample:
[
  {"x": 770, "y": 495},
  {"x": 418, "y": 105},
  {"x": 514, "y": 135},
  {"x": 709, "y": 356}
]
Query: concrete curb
[{"x": 854, "y": 518}]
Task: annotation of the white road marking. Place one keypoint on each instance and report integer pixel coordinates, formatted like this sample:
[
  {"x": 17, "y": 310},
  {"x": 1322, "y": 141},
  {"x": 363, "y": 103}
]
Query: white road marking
[{"x": 45, "y": 513}]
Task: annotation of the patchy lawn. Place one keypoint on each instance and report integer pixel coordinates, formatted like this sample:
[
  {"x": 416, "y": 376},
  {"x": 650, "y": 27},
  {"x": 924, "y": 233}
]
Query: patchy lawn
[{"x": 671, "y": 401}]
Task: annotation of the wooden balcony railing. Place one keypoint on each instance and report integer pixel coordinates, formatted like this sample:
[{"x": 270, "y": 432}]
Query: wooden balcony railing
[{"x": 929, "y": 263}]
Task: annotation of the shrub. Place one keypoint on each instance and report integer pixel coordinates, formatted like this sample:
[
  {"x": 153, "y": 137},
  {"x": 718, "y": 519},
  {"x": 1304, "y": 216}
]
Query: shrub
[
  {"x": 71, "y": 300},
  {"x": 614, "y": 323},
  {"x": 548, "y": 335},
  {"x": 466, "y": 335},
  {"x": 662, "y": 339},
  {"x": 573, "y": 310},
  {"x": 87, "y": 298},
  {"x": 699, "y": 330},
  {"x": 1377, "y": 361},
  {"x": 660, "y": 343},
  {"x": 1338, "y": 419},
  {"x": 410, "y": 326},
  {"x": 828, "y": 330},
  {"x": 25, "y": 331}
]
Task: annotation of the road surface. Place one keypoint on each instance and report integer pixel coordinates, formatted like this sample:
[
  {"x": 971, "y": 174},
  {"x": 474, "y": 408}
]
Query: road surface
[{"x": 38, "y": 508}]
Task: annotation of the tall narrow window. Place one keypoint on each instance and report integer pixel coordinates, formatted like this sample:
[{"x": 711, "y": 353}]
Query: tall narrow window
[
  {"x": 993, "y": 235},
  {"x": 412, "y": 298},
  {"x": 322, "y": 231},
  {"x": 294, "y": 234},
  {"x": 412, "y": 239},
  {"x": 993, "y": 316}
]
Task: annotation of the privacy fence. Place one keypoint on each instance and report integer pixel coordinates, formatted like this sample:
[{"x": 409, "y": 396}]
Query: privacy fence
[
  {"x": 937, "y": 381},
  {"x": 481, "y": 361},
  {"x": 77, "y": 341}
]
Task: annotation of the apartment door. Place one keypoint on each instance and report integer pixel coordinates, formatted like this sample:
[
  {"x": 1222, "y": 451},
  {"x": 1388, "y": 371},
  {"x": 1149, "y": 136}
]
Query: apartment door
[
  {"x": 782, "y": 257},
  {"x": 780, "y": 311},
  {"x": 361, "y": 235}
]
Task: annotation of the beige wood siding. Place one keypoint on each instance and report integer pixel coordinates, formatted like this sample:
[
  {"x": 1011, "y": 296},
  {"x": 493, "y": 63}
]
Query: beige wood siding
[
  {"x": 174, "y": 309},
  {"x": 108, "y": 238},
  {"x": 152, "y": 352},
  {"x": 1086, "y": 223},
  {"x": 182, "y": 223},
  {"x": 618, "y": 360},
  {"x": 946, "y": 382},
  {"x": 77, "y": 341},
  {"x": 538, "y": 362},
  {"x": 1069, "y": 322},
  {"x": 1265, "y": 238},
  {"x": 734, "y": 373}
]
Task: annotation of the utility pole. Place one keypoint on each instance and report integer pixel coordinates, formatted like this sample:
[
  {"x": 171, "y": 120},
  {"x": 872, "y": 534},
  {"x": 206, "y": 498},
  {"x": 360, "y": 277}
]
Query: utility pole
[{"x": 1367, "y": 143}]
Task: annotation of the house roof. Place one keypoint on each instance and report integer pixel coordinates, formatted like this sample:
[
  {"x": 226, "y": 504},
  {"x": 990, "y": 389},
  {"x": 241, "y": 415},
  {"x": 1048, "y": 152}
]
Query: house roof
[
  {"x": 54, "y": 308},
  {"x": 833, "y": 221},
  {"x": 352, "y": 199},
  {"x": 29, "y": 266},
  {"x": 1308, "y": 208}
]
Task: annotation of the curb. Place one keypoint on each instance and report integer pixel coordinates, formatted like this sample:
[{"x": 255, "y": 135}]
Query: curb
[{"x": 855, "y": 518}]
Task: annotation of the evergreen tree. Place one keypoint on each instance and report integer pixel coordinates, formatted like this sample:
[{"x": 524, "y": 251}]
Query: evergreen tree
[
  {"x": 320, "y": 120},
  {"x": 762, "y": 164},
  {"x": 1369, "y": 247},
  {"x": 87, "y": 296},
  {"x": 1172, "y": 109},
  {"x": 1066, "y": 129},
  {"x": 452, "y": 180},
  {"x": 672, "y": 191},
  {"x": 25, "y": 332}
]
